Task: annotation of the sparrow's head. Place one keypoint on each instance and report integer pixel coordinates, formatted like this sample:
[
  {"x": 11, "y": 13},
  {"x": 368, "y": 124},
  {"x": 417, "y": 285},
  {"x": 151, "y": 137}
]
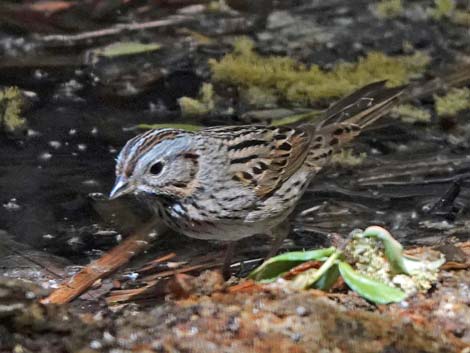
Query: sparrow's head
[{"x": 158, "y": 162}]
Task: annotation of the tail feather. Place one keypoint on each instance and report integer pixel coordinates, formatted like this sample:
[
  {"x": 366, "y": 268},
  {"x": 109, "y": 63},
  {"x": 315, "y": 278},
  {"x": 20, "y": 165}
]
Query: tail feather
[
  {"x": 347, "y": 118},
  {"x": 350, "y": 100},
  {"x": 363, "y": 107}
]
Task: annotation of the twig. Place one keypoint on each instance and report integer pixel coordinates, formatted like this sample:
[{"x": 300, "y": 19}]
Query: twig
[
  {"x": 105, "y": 265},
  {"x": 151, "y": 265},
  {"x": 114, "y": 30},
  {"x": 151, "y": 284}
]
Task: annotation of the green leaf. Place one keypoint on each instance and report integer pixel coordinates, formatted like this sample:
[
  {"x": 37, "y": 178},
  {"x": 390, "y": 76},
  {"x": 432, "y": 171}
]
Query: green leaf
[
  {"x": 393, "y": 249},
  {"x": 276, "y": 266},
  {"x": 399, "y": 262},
  {"x": 413, "y": 265},
  {"x": 125, "y": 48},
  {"x": 308, "y": 278},
  {"x": 368, "y": 288},
  {"x": 328, "y": 279}
]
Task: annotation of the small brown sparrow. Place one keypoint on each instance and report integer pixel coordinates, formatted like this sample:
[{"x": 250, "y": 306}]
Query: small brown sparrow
[{"x": 232, "y": 182}]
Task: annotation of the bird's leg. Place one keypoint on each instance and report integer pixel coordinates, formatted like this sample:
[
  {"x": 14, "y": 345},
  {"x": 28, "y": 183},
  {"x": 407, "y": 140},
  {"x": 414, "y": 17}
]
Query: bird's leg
[
  {"x": 231, "y": 247},
  {"x": 279, "y": 233}
]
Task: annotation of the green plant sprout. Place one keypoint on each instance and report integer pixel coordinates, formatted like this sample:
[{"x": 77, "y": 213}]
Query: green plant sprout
[{"x": 372, "y": 264}]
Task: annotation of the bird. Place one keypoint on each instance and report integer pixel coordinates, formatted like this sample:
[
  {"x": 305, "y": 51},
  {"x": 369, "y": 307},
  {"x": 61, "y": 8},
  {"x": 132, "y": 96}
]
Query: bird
[{"x": 231, "y": 182}]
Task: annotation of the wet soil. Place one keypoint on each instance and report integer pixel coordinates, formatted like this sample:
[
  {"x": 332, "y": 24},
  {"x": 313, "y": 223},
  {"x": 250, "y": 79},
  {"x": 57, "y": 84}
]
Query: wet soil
[{"x": 204, "y": 314}]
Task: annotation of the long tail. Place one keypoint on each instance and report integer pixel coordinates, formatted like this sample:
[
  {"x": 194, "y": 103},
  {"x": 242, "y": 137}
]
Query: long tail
[
  {"x": 346, "y": 119},
  {"x": 364, "y": 106}
]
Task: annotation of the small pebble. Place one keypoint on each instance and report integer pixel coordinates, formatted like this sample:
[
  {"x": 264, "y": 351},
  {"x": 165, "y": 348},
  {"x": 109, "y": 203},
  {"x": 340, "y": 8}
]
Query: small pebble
[
  {"x": 95, "y": 344},
  {"x": 132, "y": 276},
  {"x": 301, "y": 311},
  {"x": 32, "y": 133}
]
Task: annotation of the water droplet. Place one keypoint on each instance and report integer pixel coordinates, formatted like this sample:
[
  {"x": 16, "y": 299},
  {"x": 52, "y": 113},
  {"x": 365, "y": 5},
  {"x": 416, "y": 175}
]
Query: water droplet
[
  {"x": 45, "y": 156},
  {"x": 55, "y": 144}
]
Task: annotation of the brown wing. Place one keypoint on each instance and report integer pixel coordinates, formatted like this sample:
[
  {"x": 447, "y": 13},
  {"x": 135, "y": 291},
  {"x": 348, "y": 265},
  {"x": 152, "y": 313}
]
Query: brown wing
[{"x": 263, "y": 157}]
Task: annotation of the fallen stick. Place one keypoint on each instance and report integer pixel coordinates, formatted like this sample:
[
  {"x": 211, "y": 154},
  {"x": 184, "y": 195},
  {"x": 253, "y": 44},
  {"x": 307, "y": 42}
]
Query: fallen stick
[
  {"x": 151, "y": 285},
  {"x": 107, "y": 264},
  {"x": 117, "y": 29}
]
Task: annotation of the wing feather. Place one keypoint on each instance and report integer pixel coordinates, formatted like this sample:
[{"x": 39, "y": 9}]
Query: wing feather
[{"x": 263, "y": 157}]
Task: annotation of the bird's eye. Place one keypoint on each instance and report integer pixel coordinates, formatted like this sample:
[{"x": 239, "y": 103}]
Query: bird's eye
[{"x": 156, "y": 168}]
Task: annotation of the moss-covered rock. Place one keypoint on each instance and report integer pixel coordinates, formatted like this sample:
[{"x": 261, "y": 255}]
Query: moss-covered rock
[{"x": 299, "y": 84}]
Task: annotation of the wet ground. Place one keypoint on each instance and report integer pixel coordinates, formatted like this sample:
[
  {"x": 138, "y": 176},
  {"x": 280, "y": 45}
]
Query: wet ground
[{"x": 54, "y": 174}]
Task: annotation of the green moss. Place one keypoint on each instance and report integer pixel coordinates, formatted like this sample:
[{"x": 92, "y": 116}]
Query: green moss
[
  {"x": 346, "y": 158},
  {"x": 442, "y": 8},
  {"x": 411, "y": 114},
  {"x": 447, "y": 9},
  {"x": 11, "y": 102},
  {"x": 451, "y": 104},
  {"x": 389, "y": 8},
  {"x": 407, "y": 47},
  {"x": 461, "y": 18},
  {"x": 296, "y": 83},
  {"x": 203, "y": 105},
  {"x": 257, "y": 97}
]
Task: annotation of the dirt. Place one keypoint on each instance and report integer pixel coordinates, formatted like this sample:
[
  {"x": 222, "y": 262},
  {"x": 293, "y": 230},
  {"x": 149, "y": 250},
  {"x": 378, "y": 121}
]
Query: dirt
[{"x": 250, "y": 318}]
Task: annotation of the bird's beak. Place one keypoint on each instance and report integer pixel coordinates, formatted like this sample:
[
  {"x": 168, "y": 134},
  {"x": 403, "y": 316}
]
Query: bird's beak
[{"x": 121, "y": 187}]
